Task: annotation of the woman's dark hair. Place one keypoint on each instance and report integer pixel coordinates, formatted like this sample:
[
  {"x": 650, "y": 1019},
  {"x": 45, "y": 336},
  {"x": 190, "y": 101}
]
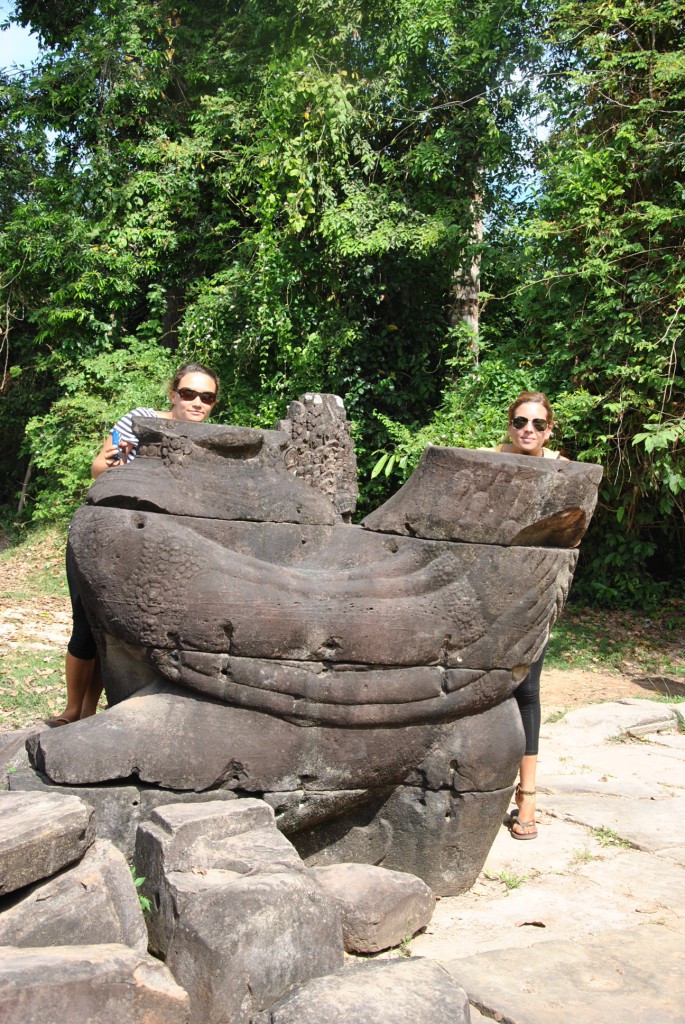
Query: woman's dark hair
[
  {"x": 532, "y": 396},
  {"x": 192, "y": 368}
]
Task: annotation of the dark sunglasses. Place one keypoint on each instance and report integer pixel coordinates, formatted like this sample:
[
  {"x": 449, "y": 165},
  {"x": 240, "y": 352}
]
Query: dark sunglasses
[
  {"x": 188, "y": 395},
  {"x": 519, "y": 422}
]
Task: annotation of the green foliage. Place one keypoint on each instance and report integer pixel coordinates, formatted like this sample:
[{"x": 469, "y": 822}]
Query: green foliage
[
  {"x": 285, "y": 194},
  {"x": 65, "y": 440},
  {"x": 290, "y": 194},
  {"x": 139, "y": 881},
  {"x": 605, "y": 299}
]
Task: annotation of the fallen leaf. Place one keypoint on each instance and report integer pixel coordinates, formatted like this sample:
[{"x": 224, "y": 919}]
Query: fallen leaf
[{"x": 531, "y": 924}]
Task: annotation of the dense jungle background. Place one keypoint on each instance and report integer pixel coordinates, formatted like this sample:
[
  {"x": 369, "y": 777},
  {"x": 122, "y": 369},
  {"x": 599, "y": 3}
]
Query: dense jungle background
[{"x": 423, "y": 207}]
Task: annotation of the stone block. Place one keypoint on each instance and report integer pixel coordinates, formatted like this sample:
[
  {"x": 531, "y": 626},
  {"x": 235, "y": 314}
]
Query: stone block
[
  {"x": 94, "y": 901},
  {"x": 102, "y": 983},
  {"x": 412, "y": 991},
  {"x": 118, "y": 809},
  {"x": 39, "y": 835},
  {"x": 238, "y": 947},
  {"x": 380, "y": 908},
  {"x": 185, "y": 849},
  {"x": 477, "y": 496}
]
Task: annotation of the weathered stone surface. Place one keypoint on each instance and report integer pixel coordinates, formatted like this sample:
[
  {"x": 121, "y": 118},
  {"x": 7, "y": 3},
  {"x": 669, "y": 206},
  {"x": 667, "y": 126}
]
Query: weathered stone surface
[
  {"x": 118, "y": 809},
  {"x": 439, "y": 824},
  {"x": 303, "y": 655},
  {"x": 238, "y": 947},
  {"x": 455, "y": 759},
  {"x": 13, "y": 752},
  {"x": 380, "y": 908},
  {"x": 442, "y": 837},
  {"x": 93, "y": 901},
  {"x": 102, "y": 983},
  {"x": 184, "y": 849},
  {"x": 39, "y": 835},
  {"x": 380, "y": 992},
  {"x": 175, "y": 461},
  {"x": 482, "y": 498},
  {"x": 321, "y": 451},
  {"x": 374, "y": 601},
  {"x": 631, "y": 975},
  {"x": 223, "y": 746}
]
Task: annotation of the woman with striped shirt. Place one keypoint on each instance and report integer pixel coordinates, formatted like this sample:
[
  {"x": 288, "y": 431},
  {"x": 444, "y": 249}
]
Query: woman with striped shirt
[{"x": 192, "y": 393}]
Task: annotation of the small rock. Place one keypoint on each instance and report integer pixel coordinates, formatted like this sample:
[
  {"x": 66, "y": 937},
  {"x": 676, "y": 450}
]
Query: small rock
[{"x": 380, "y": 908}]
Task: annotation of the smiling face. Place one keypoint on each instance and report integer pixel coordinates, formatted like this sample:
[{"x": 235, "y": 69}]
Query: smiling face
[
  {"x": 527, "y": 439},
  {"x": 192, "y": 408}
]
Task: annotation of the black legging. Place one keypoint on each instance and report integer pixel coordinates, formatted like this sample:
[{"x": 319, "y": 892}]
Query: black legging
[
  {"x": 527, "y": 696},
  {"x": 82, "y": 642}
]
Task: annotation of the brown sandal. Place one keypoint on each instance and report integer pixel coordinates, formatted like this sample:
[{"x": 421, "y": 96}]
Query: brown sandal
[{"x": 528, "y": 829}]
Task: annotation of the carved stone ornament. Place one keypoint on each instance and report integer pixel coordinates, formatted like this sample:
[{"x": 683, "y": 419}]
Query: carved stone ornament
[{"x": 357, "y": 678}]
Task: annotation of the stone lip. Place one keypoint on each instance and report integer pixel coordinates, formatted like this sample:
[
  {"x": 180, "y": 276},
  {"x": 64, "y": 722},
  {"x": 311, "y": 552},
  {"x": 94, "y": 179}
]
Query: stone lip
[
  {"x": 288, "y": 592},
  {"x": 481, "y": 497}
]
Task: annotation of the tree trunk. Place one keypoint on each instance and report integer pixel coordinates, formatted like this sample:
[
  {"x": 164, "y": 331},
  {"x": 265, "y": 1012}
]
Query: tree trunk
[{"x": 465, "y": 291}]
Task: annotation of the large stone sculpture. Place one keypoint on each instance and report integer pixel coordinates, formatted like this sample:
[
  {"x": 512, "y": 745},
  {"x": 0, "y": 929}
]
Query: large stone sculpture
[{"x": 357, "y": 678}]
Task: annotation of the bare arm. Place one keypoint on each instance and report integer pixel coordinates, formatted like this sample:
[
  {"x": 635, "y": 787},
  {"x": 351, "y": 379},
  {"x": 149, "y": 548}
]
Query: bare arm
[{"x": 108, "y": 456}]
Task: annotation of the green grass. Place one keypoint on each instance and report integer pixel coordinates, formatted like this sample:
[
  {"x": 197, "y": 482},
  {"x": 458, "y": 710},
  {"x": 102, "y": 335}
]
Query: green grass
[
  {"x": 33, "y": 566},
  {"x": 607, "y": 837},
  {"x": 584, "y": 856},
  {"x": 621, "y": 641},
  {"x": 508, "y": 878},
  {"x": 31, "y": 686},
  {"x": 32, "y": 579}
]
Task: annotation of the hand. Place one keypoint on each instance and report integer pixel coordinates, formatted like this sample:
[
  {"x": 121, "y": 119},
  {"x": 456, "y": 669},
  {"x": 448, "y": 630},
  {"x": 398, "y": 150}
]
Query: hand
[{"x": 113, "y": 456}]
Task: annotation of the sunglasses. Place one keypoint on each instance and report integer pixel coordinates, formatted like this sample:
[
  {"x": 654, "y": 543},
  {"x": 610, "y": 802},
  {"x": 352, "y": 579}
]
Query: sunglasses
[
  {"x": 188, "y": 395},
  {"x": 519, "y": 422}
]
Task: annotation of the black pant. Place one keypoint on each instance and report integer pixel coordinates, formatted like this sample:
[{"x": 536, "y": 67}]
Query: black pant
[
  {"x": 527, "y": 696},
  {"x": 82, "y": 642}
]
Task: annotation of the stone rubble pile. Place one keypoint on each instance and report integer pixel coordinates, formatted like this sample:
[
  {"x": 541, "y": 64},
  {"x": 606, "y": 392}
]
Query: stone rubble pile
[{"x": 239, "y": 930}]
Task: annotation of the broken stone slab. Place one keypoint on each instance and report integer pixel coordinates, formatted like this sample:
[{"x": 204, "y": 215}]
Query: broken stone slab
[
  {"x": 239, "y": 946},
  {"x": 653, "y": 825},
  {"x": 92, "y": 902},
  {"x": 174, "y": 463},
  {"x": 118, "y": 808},
  {"x": 588, "y": 726},
  {"x": 380, "y": 908},
  {"x": 632, "y": 975},
  {"x": 412, "y": 991},
  {"x": 665, "y": 890},
  {"x": 105, "y": 982},
  {"x": 39, "y": 835},
  {"x": 199, "y": 835},
  {"x": 481, "y": 498},
  {"x": 184, "y": 849}
]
